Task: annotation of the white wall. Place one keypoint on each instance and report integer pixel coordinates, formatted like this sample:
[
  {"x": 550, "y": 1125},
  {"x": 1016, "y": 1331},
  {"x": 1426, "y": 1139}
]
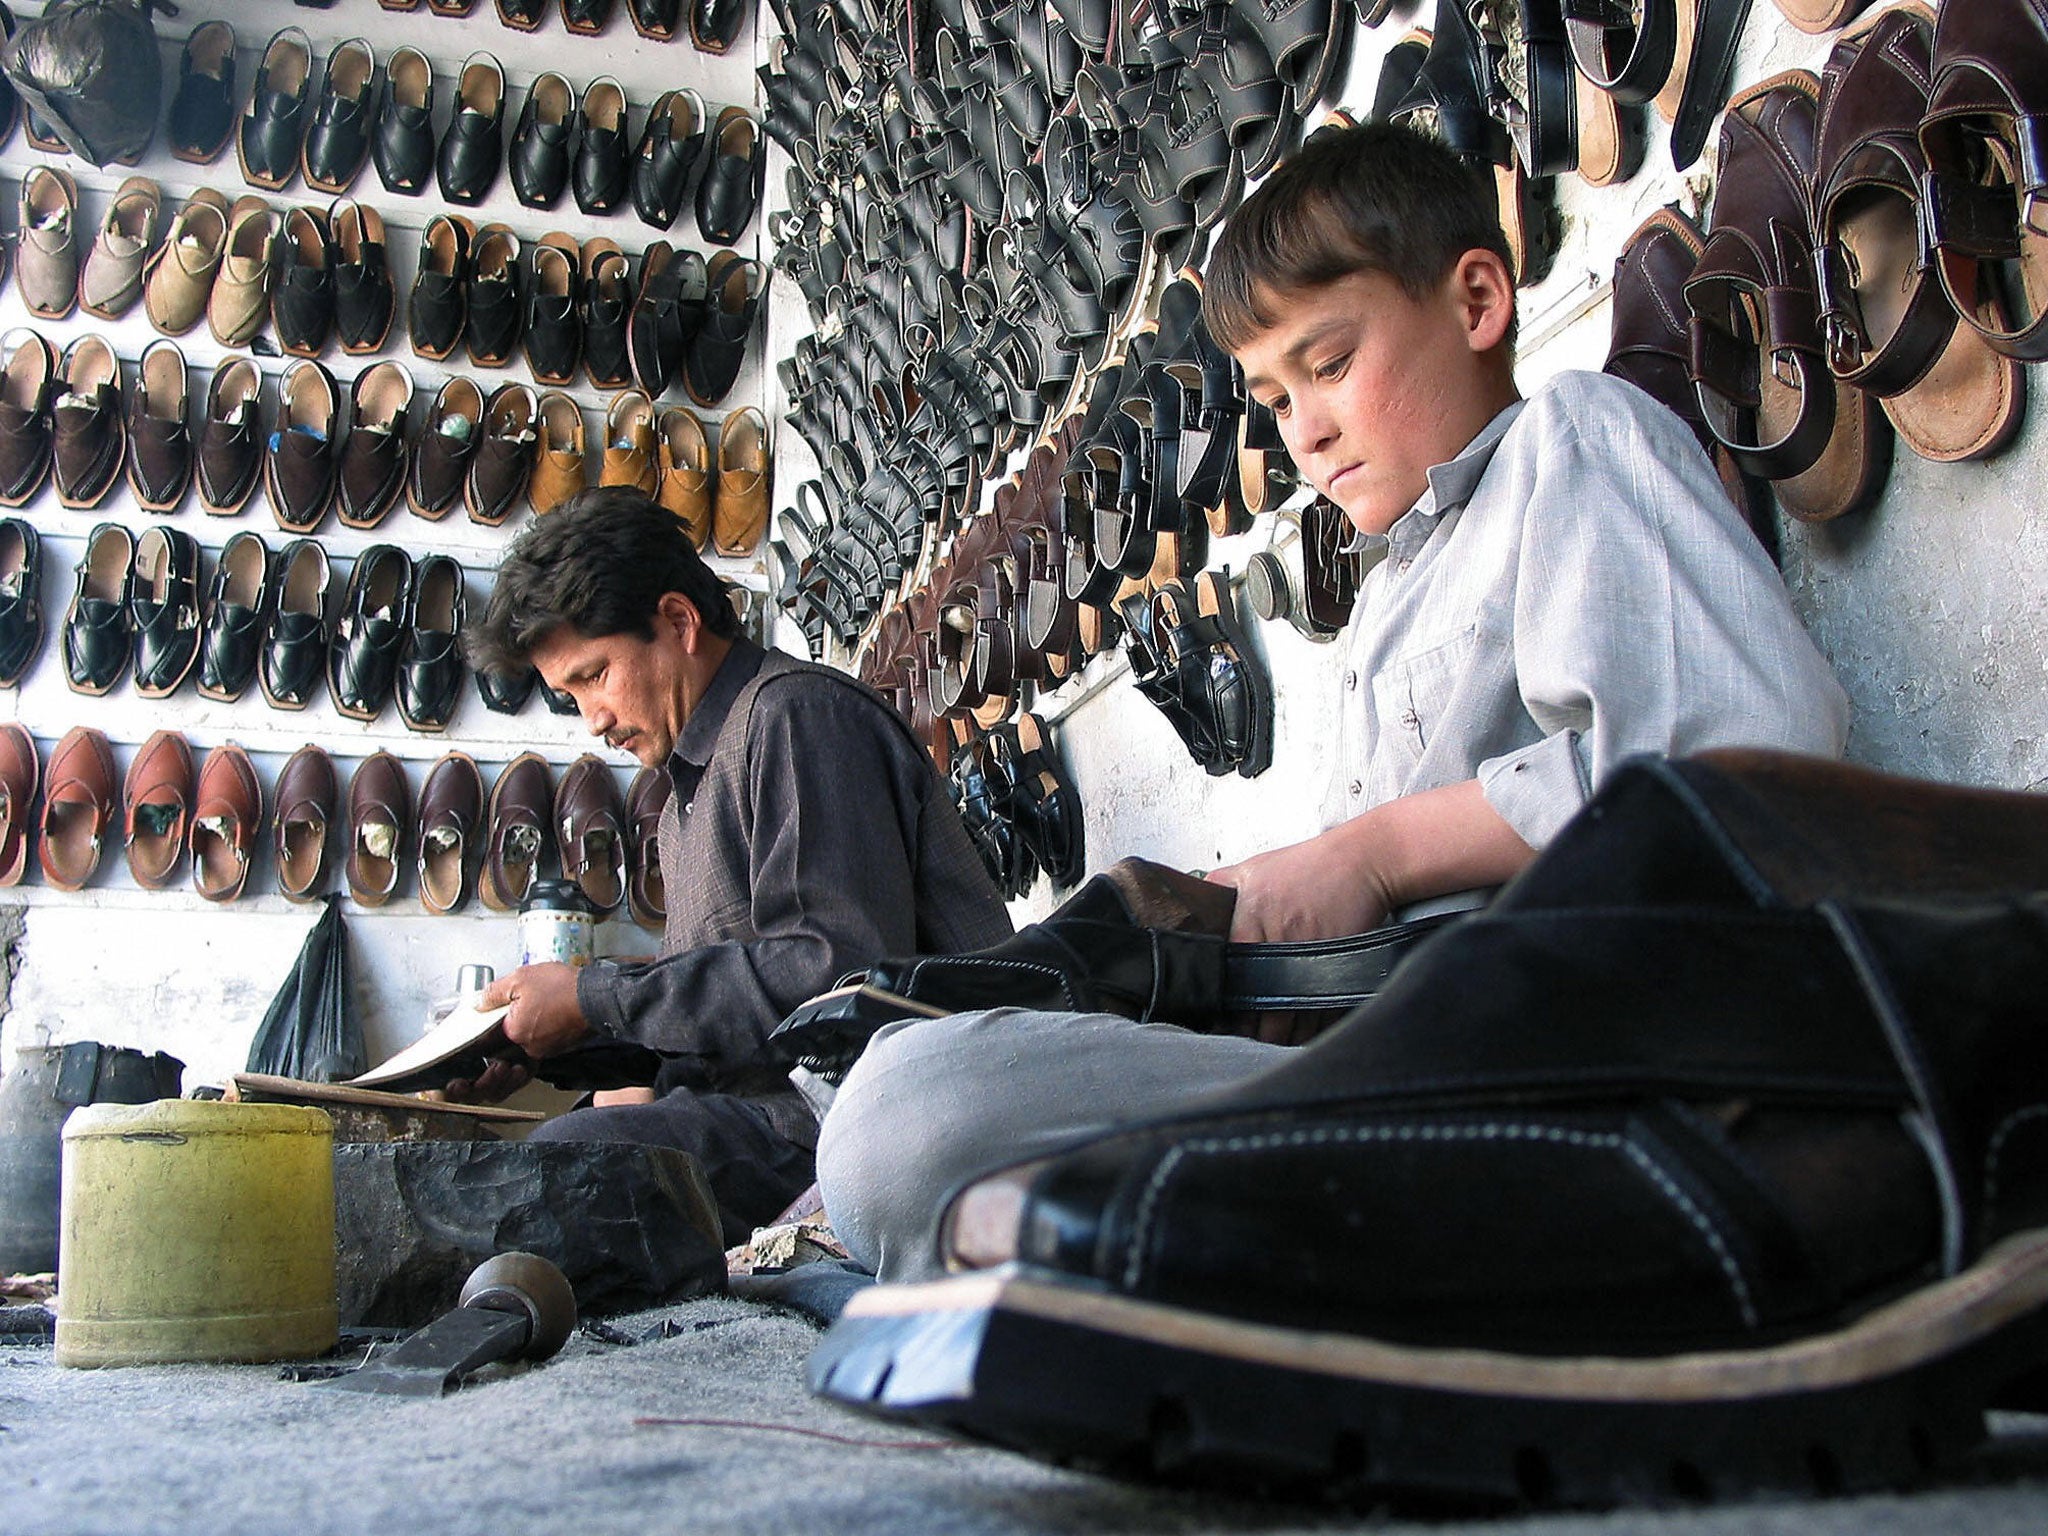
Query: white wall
[{"x": 1933, "y": 607}]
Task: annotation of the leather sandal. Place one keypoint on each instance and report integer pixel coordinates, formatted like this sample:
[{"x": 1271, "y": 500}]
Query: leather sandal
[
  {"x": 1987, "y": 175},
  {"x": 1757, "y": 357},
  {"x": 1888, "y": 324}
]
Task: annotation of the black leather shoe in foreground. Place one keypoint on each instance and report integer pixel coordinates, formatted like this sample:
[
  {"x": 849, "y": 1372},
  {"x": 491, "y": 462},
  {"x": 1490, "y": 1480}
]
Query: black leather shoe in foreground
[{"x": 1711, "y": 1160}]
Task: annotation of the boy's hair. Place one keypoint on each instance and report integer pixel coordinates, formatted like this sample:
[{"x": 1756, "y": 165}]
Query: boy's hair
[
  {"x": 1374, "y": 198},
  {"x": 599, "y": 564}
]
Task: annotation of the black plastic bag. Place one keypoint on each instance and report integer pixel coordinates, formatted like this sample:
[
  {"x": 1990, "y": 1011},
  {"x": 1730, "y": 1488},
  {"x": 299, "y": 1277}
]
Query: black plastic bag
[
  {"x": 310, "y": 1032},
  {"x": 91, "y": 70}
]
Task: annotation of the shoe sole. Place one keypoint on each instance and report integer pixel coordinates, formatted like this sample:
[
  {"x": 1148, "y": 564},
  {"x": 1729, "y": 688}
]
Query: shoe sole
[{"x": 1070, "y": 1373}]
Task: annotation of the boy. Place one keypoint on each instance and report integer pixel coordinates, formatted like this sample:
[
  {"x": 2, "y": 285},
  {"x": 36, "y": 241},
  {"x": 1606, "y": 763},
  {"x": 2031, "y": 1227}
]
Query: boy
[{"x": 1562, "y": 584}]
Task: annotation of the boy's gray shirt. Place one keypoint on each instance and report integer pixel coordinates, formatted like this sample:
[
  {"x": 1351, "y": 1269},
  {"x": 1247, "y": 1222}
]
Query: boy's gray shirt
[{"x": 1573, "y": 588}]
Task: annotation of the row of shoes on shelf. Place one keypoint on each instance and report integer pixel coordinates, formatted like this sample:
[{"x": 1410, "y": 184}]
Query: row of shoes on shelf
[
  {"x": 70, "y": 421},
  {"x": 1863, "y": 267},
  {"x": 713, "y": 25},
  {"x": 462, "y": 840},
  {"x": 136, "y": 599},
  {"x": 317, "y": 277},
  {"x": 560, "y": 142}
]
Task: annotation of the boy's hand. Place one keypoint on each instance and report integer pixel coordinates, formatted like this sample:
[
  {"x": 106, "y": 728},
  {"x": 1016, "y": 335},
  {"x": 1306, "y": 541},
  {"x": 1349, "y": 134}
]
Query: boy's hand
[{"x": 1301, "y": 892}]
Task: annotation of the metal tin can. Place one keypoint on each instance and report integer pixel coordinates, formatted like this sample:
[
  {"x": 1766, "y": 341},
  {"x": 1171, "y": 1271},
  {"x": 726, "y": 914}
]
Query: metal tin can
[{"x": 557, "y": 922}]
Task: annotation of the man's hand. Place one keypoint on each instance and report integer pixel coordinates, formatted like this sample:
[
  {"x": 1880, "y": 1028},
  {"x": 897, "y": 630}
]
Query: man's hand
[
  {"x": 545, "y": 1016},
  {"x": 498, "y": 1080}
]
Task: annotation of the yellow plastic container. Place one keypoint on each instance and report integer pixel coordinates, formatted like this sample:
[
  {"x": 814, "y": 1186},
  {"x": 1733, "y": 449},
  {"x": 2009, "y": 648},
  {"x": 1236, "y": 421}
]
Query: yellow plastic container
[{"x": 196, "y": 1231}]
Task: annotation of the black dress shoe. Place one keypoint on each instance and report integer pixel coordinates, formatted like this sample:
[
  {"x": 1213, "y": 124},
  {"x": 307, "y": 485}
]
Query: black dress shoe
[
  {"x": 362, "y": 658},
  {"x": 586, "y": 17},
  {"x": 203, "y": 112},
  {"x": 497, "y": 308},
  {"x": 716, "y": 24},
  {"x": 21, "y": 598},
  {"x": 403, "y": 142},
  {"x": 96, "y": 636},
  {"x": 338, "y": 143},
  {"x": 600, "y": 177},
  {"x": 295, "y": 640},
  {"x": 274, "y": 122},
  {"x": 731, "y": 188},
  {"x": 541, "y": 142},
  {"x": 473, "y": 146},
  {"x": 671, "y": 297},
  {"x": 302, "y": 303},
  {"x": 364, "y": 302},
  {"x": 439, "y": 307},
  {"x": 655, "y": 19},
  {"x": 506, "y": 695},
  {"x": 237, "y": 611},
  {"x": 607, "y": 310},
  {"x": 554, "y": 330},
  {"x": 430, "y": 665},
  {"x": 711, "y": 363},
  {"x": 670, "y": 147},
  {"x": 163, "y": 609}
]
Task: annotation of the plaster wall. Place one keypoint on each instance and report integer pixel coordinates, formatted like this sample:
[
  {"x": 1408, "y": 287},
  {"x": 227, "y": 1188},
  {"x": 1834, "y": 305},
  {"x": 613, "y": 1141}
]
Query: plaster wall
[{"x": 1933, "y": 608}]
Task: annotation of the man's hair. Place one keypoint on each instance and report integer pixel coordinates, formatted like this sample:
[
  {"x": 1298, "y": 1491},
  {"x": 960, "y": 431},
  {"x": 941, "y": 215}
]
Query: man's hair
[
  {"x": 1374, "y": 198},
  {"x": 599, "y": 564}
]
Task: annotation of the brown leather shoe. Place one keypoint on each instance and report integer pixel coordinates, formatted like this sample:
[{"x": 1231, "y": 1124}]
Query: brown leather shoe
[
  {"x": 90, "y": 430},
  {"x": 379, "y": 809},
  {"x": 503, "y": 462},
  {"x": 591, "y": 825},
  {"x": 374, "y": 461},
  {"x": 78, "y": 806},
  {"x": 224, "y": 823},
  {"x": 20, "y": 772},
  {"x": 629, "y": 442},
  {"x": 231, "y": 438},
  {"x": 451, "y": 809},
  {"x": 159, "y": 441},
  {"x": 158, "y": 792},
  {"x": 440, "y": 464},
  {"x": 28, "y": 385},
  {"x": 558, "y": 467},
  {"x": 302, "y": 460},
  {"x": 521, "y": 805},
  {"x": 646, "y": 894},
  {"x": 307, "y": 798},
  {"x": 741, "y": 511},
  {"x": 683, "y": 465}
]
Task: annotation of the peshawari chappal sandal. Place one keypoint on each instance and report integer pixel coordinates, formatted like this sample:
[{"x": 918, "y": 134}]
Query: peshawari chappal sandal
[
  {"x": 1760, "y": 1204},
  {"x": 1887, "y": 322},
  {"x": 1987, "y": 197},
  {"x": 1764, "y": 385}
]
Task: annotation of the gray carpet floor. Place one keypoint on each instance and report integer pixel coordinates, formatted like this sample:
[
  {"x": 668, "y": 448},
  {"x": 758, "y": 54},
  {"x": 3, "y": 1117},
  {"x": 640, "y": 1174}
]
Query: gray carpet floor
[{"x": 560, "y": 1448}]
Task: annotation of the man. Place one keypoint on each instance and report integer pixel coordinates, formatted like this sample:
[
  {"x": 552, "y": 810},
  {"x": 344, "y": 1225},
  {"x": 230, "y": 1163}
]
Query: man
[
  {"x": 806, "y": 835},
  {"x": 1562, "y": 583}
]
